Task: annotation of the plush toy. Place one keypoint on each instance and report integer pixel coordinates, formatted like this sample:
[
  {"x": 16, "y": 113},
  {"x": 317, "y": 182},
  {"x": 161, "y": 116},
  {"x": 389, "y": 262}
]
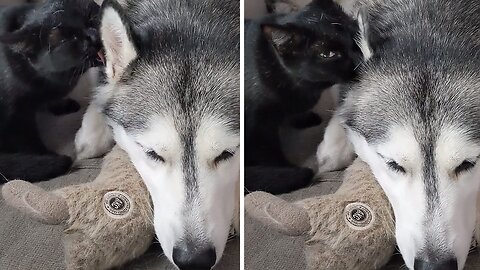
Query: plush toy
[
  {"x": 107, "y": 222},
  {"x": 351, "y": 229}
]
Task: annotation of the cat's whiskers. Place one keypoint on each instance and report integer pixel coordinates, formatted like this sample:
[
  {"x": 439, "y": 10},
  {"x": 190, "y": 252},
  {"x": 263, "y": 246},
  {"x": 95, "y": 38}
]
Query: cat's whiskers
[{"x": 58, "y": 11}]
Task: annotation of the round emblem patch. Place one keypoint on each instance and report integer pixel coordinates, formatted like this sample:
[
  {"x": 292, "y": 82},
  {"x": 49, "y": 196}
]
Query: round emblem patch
[
  {"x": 117, "y": 204},
  {"x": 359, "y": 216}
]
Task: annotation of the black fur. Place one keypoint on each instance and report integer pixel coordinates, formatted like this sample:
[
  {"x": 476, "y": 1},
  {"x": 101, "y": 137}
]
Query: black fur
[
  {"x": 44, "y": 49},
  {"x": 276, "y": 180},
  {"x": 289, "y": 60}
]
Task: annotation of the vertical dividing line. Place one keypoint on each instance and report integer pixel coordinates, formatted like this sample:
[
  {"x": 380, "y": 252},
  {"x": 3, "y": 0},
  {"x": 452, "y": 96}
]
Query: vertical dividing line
[{"x": 242, "y": 132}]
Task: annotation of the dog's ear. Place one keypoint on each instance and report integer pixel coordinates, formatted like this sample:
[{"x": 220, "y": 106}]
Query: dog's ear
[
  {"x": 117, "y": 40},
  {"x": 363, "y": 39}
]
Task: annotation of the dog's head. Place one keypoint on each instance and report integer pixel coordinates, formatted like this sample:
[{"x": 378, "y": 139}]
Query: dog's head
[
  {"x": 172, "y": 100},
  {"x": 417, "y": 126}
]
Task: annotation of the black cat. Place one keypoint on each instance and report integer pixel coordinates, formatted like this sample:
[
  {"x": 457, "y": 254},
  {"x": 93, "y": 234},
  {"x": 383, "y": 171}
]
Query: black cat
[
  {"x": 44, "y": 49},
  {"x": 289, "y": 60}
]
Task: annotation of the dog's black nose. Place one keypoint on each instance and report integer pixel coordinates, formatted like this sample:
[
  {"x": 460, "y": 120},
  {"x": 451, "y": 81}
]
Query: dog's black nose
[
  {"x": 449, "y": 264},
  {"x": 190, "y": 258}
]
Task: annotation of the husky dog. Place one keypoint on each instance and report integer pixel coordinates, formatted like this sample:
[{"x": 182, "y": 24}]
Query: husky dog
[
  {"x": 414, "y": 117},
  {"x": 172, "y": 100}
]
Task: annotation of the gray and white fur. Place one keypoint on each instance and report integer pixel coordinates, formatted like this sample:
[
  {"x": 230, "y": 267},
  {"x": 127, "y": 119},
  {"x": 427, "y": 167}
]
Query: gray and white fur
[
  {"x": 414, "y": 117},
  {"x": 172, "y": 100}
]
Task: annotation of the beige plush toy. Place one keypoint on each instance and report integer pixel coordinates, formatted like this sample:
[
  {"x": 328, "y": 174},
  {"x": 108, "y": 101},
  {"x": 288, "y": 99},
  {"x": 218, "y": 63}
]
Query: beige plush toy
[
  {"x": 351, "y": 229},
  {"x": 107, "y": 222}
]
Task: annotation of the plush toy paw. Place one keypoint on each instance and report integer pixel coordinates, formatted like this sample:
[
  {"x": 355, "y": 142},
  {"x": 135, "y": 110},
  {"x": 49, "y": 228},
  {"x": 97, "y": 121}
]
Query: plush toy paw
[
  {"x": 41, "y": 205},
  {"x": 275, "y": 212}
]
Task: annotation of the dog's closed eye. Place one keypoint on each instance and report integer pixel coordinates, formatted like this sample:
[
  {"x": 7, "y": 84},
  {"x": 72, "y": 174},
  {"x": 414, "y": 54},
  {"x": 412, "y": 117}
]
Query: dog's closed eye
[
  {"x": 465, "y": 166},
  {"x": 394, "y": 166},
  {"x": 225, "y": 155},
  {"x": 154, "y": 156}
]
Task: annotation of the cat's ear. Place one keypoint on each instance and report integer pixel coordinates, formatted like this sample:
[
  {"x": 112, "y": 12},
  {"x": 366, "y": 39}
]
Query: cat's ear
[
  {"x": 282, "y": 6},
  {"x": 17, "y": 41},
  {"x": 117, "y": 40},
  {"x": 284, "y": 39}
]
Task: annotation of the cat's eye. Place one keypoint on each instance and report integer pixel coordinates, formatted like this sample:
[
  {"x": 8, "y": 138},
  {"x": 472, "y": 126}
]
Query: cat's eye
[
  {"x": 329, "y": 54},
  {"x": 395, "y": 167},
  {"x": 55, "y": 37},
  {"x": 154, "y": 156},
  {"x": 225, "y": 155},
  {"x": 464, "y": 167}
]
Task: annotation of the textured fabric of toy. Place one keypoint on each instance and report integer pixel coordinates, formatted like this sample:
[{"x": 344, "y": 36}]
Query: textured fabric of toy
[
  {"x": 334, "y": 242},
  {"x": 350, "y": 229},
  {"x": 109, "y": 220}
]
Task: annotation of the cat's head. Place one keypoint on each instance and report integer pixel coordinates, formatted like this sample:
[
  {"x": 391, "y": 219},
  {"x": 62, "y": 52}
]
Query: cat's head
[
  {"x": 58, "y": 36},
  {"x": 316, "y": 43}
]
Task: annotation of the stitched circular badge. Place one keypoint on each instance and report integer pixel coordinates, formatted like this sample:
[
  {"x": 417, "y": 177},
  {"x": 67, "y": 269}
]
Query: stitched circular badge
[
  {"x": 117, "y": 204},
  {"x": 358, "y": 216}
]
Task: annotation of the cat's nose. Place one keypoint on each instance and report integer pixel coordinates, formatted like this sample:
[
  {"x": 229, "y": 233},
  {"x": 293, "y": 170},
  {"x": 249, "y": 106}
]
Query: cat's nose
[{"x": 92, "y": 36}]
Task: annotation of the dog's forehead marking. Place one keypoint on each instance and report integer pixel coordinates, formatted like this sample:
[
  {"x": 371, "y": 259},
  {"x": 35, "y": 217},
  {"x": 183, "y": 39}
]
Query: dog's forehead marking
[
  {"x": 414, "y": 151},
  {"x": 161, "y": 135},
  {"x": 178, "y": 147},
  {"x": 389, "y": 92},
  {"x": 189, "y": 91},
  {"x": 402, "y": 146},
  {"x": 164, "y": 136}
]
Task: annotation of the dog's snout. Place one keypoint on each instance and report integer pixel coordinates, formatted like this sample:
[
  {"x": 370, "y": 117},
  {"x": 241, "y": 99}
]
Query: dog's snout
[
  {"x": 448, "y": 264},
  {"x": 192, "y": 258}
]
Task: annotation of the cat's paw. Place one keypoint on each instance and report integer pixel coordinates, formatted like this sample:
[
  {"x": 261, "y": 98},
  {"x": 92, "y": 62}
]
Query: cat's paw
[
  {"x": 306, "y": 120},
  {"x": 64, "y": 162},
  {"x": 63, "y": 107}
]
